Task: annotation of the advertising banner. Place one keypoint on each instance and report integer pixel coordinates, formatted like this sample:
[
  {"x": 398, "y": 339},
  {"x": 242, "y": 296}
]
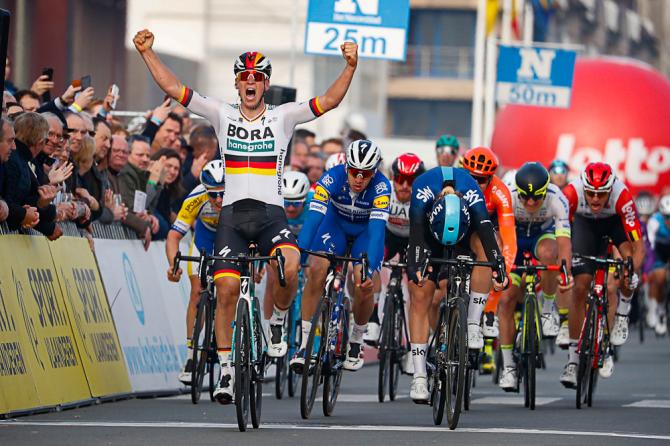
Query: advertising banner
[
  {"x": 48, "y": 350},
  {"x": 135, "y": 297},
  {"x": 90, "y": 317}
]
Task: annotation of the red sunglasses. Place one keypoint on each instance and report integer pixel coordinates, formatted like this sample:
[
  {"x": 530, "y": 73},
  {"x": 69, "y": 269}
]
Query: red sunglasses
[
  {"x": 257, "y": 75},
  {"x": 363, "y": 173},
  {"x": 400, "y": 179}
]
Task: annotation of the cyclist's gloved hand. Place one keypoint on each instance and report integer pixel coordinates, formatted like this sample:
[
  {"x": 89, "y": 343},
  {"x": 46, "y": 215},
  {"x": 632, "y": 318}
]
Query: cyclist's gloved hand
[
  {"x": 416, "y": 258},
  {"x": 500, "y": 278}
]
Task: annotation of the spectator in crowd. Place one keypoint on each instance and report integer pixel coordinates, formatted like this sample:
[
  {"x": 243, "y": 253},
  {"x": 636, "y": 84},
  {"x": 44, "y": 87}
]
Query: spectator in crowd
[
  {"x": 315, "y": 167},
  {"x": 304, "y": 135},
  {"x": 186, "y": 122},
  {"x": 14, "y": 214},
  {"x": 353, "y": 135},
  {"x": 299, "y": 152},
  {"x": 331, "y": 146},
  {"x": 29, "y": 100},
  {"x": 25, "y": 185},
  {"x": 103, "y": 142},
  {"x": 204, "y": 148},
  {"x": 167, "y": 133},
  {"x": 137, "y": 188},
  {"x": 76, "y": 128},
  {"x": 47, "y": 159},
  {"x": 315, "y": 148},
  {"x": 171, "y": 192},
  {"x": 84, "y": 160},
  {"x": 119, "y": 129}
]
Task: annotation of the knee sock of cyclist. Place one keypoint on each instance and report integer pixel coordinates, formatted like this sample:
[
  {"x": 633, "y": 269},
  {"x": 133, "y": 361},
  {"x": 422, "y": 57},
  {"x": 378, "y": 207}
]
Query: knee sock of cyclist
[
  {"x": 374, "y": 317},
  {"x": 548, "y": 301},
  {"x": 225, "y": 357},
  {"x": 476, "y": 307},
  {"x": 278, "y": 316},
  {"x": 419, "y": 358},
  {"x": 563, "y": 315},
  {"x": 306, "y": 328},
  {"x": 624, "y": 304},
  {"x": 357, "y": 333},
  {"x": 652, "y": 306},
  {"x": 508, "y": 359},
  {"x": 573, "y": 357},
  {"x": 189, "y": 348}
]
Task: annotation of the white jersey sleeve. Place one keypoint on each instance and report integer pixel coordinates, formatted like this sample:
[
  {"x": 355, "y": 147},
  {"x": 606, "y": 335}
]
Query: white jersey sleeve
[
  {"x": 560, "y": 209},
  {"x": 208, "y": 108},
  {"x": 295, "y": 113}
]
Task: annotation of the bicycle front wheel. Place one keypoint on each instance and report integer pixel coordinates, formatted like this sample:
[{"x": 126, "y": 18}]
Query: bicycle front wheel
[
  {"x": 242, "y": 365},
  {"x": 586, "y": 346},
  {"x": 400, "y": 347},
  {"x": 457, "y": 361},
  {"x": 530, "y": 350},
  {"x": 257, "y": 361},
  {"x": 333, "y": 380},
  {"x": 199, "y": 359},
  {"x": 311, "y": 371},
  {"x": 385, "y": 345}
]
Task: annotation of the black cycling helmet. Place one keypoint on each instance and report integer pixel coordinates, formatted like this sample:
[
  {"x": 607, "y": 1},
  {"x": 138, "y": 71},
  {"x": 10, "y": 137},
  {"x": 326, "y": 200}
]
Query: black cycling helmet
[{"x": 532, "y": 180}]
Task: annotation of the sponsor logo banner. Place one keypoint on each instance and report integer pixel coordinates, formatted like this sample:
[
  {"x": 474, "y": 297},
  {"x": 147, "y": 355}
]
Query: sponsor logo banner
[
  {"x": 40, "y": 362},
  {"x": 90, "y": 316}
]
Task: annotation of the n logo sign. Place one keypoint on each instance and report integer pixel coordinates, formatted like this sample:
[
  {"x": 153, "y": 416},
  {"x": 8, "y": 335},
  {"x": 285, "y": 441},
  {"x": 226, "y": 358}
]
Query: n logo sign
[
  {"x": 363, "y": 7},
  {"x": 535, "y": 63}
]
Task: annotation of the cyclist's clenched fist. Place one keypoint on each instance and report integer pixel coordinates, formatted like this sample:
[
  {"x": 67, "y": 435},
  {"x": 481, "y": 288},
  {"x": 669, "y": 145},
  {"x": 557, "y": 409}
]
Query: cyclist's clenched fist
[
  {"x": 143, "y": 40},
  {"x": 350, "y": 53}
]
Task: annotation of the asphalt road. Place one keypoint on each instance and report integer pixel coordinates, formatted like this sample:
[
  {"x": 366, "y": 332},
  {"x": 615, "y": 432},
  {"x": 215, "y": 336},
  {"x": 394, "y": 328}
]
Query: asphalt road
[{"x": 632, "y": 407}]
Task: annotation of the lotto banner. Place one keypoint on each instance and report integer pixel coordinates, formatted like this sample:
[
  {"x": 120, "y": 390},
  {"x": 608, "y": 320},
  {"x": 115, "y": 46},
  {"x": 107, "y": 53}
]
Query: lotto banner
[
  {"x": 90, "y": 317},
  {"x": 138, "y": 305},
  {"x": 40, "y": 361}
]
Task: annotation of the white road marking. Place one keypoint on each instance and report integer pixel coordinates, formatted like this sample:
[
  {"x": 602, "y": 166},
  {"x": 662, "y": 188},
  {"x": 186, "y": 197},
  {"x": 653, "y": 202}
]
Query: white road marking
[
  {"x": 513, "y": 400},
  {"x": 654, "y": 404},
  {"x": 351, "y": 428}
]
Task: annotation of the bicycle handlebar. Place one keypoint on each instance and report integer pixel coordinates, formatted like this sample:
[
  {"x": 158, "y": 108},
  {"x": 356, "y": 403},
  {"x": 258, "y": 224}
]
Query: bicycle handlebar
[
  {"x": 335, "y": 258},
  {"x": 394, "y": 265},
  {"x": 563, "y": 268}
]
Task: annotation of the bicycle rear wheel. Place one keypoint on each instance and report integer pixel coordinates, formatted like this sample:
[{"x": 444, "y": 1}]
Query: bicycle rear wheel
[
  {"x": 200, "y": 349},
  {"x": 400, "y": 348},
  {"x": 599, "y": 352},
  {"x": 295, "y": 336},
  {"x": 281, "y": 366},
  {"x": 257, "y": 361},
  {"x": 530, "y": 351},
  {"x": 311, "y": 372},
  {"x": 586, "y": 344},
  {"x": 439, "y": 388},
  {"x": 242, "y": 365},
  {"x": 457, "y": 356},
  {"x": 333, "y": 380}
]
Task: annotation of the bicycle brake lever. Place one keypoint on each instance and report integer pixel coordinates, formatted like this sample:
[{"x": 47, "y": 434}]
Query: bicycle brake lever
[
  {"x": 280, "y": 267},
  {"x": 175, "y": 263},
  {"x": 364, "y": 267},
  {"x": 564, "y": 272}
]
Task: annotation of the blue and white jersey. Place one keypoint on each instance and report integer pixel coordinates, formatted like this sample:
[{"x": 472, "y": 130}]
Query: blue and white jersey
[{"x": 658, "y": 230}]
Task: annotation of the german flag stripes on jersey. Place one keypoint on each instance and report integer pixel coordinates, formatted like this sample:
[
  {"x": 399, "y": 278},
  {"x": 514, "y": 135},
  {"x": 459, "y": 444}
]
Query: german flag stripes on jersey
[{"x": 256, "y": 165}]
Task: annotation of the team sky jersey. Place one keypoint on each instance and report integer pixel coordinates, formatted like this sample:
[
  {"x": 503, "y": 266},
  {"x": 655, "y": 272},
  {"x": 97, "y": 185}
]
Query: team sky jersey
[
  {"x": 196, "y": 206},
  {"x": 398, "y": 222},
  {"x": 355, "y": 213},
  {"x": 620, "y": 203},
  {"x": 658, "y": 230},
  {"x": 498, "y": 202},
  {"x": 427, "y": 187},
  {"x": 253, "y": 151},
  {"x": 554, "y": 213}
]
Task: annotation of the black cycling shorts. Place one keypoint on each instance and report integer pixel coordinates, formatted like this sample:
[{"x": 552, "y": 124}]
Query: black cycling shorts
[
  {"x": 394, "y": 244},
  {"x": 248, "y": 221},
  {"x": 588, "y": 239}
]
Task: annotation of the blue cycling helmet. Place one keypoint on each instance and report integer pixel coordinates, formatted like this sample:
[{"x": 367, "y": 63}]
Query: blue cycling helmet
[
  {"x": 213, "y": 176},
  {"x": 558, "y": 166},
  {"x": 449, "y": 219}
]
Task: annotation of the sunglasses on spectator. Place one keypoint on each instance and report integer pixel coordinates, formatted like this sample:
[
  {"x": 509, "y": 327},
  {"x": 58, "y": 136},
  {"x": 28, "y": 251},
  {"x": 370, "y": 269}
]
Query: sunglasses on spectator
[
  {"x": 215, "y": 195},
  {"x": 257, "y": 75},
  {"x": 365, "y": 174},
  {"x": 401, "y": 179},
  {"x": 592, "y": 194},
  {"x": 293, "y": 203}
]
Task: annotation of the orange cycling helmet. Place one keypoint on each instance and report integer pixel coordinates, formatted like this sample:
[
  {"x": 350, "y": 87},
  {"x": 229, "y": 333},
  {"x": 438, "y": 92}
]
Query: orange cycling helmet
[{"x": 480, "y": 161}]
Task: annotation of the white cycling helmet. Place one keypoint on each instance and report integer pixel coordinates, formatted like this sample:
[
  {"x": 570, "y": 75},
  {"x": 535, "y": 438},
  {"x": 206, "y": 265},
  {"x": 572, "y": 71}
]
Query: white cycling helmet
[
  {"x": 296, "y": 185},
  {"x": 213, "y": 175},
  {"x": 664, "y": 205},
  {"x": 335, "y": 159},
  {"x": 509, "y": 178},
  {"x": 363, "y": 154}
]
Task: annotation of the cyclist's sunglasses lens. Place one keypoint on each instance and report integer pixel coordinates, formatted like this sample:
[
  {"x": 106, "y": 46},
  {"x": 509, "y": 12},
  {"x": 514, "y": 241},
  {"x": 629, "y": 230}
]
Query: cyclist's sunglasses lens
[
  {"x": 526, "y": 197},
  {"x": 480, "y": 180},
  {"x": 592, "y": 194},
  {"x": 559, "y": 170},
  {"x": 363, "y": 173},
  {"x": 215, "y": 195},
  {"x": 293, "y": 203},
  {"x": 245, "y": 75},
  {"x": 401, "y": 179}
]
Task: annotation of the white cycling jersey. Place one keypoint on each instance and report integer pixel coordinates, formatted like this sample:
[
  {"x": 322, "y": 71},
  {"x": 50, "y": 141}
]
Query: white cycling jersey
[
  {"x": 555, "y": 211},
  {"x": 253, "y": 151},
  {"x": 398, "y": 222}
]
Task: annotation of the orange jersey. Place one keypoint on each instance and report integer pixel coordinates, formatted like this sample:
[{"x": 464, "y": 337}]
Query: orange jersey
[{"x": 499, "y": 206}]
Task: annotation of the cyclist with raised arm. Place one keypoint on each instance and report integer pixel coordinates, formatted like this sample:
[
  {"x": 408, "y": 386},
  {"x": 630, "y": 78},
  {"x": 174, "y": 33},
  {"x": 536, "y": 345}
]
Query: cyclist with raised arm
[
  {"x": 542, "y": 229},
  {"x": 200, "y": 210},
  {"x": 404, "y": 170},
  {"x": 601, "y": 206},
  {"x": 482, "y": 164},
  {"x": 428, "y": 206},
  {"x": 658, "y": 231},
  {"x": 350, "y": 201},
  {"x": 253, "y": 139}
]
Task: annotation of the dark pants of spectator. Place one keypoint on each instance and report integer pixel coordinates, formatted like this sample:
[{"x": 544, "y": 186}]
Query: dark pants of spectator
[{"x": 163, "y": 226}]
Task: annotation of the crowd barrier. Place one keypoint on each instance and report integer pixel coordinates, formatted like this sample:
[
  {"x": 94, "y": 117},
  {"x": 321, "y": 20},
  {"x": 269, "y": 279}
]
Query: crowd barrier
[{"x": 77, "y": 327}]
